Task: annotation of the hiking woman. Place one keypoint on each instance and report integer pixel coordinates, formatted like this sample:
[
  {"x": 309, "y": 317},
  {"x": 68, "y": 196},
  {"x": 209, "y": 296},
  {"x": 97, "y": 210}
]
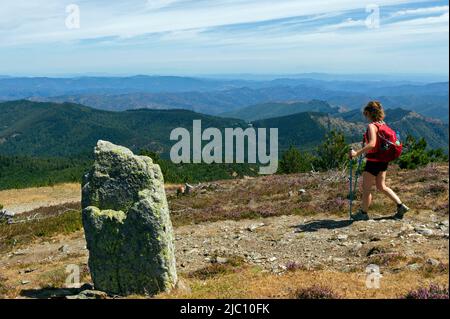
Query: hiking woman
[{"x": 376, "y": 168}]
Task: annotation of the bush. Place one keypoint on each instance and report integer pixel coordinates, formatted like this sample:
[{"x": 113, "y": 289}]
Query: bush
[
  {"x": 316, "y": 292},
  {"x": 233, "y": 264},
  {"x": 432, "y": 292},
  {"x": 416, "y": 154},
  {"x": 435, "y": 189},
  {"x": 333, "y": 153},
  {"x": 293, "y": 161},
  {"x": 333, "y": 205},
  {"x": 294, "y": 266},
  {"x": 386, "y": 259}
]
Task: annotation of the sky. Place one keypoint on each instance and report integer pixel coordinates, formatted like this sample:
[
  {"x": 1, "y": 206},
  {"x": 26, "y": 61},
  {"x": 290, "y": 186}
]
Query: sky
[{"x": 194, "y": 37}]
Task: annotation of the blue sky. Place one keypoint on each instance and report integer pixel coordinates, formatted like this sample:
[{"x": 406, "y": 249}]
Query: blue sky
[{"x": 193, "y": 37}]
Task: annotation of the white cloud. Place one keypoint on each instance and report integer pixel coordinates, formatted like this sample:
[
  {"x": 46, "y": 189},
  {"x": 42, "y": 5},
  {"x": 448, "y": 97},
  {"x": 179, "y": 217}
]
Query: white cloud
[
  {"x": 422, "y": 11},
  {"x": 42, "y": 21},
  {"x": 348, "y": 23},
  {"x": 437, "y": 20},
  {"x": 221, "y": 36},
  {"x": 158, "y": 4}
]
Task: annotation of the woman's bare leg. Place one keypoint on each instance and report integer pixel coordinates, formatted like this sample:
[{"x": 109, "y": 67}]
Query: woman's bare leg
[
  {"x": 381, "y": 186},
  {"x": 368, "y": 181}
]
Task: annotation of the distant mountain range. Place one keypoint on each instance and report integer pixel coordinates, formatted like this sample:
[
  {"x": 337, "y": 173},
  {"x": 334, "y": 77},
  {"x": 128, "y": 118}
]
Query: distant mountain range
[
  {"x": 268, "y": 110},
  {"x": 225, "y": 96},
  {"x": 50, "y": 129},
  {"x": 43, "y": 86}
]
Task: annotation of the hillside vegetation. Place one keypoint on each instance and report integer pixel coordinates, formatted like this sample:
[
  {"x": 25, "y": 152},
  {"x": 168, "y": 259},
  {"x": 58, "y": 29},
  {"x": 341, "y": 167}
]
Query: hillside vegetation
[
  {"x": 49, "y": 129},
  {"x": 65, "y": 130}
]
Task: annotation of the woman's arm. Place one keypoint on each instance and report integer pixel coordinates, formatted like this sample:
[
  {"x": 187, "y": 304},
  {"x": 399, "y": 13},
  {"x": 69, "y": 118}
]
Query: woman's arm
[{"x": 370, "y": 145}]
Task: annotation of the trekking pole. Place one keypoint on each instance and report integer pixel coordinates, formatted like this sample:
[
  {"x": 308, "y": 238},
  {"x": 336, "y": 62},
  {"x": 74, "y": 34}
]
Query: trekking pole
[
  {"x": 351, "y": 184},
  {"x": 358, "y": 173},
  {"x": 358, "y": 170}
]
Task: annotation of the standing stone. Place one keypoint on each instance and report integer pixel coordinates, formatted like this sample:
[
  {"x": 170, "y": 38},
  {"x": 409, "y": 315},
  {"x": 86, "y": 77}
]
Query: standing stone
[{"x": 127, "y": 223}]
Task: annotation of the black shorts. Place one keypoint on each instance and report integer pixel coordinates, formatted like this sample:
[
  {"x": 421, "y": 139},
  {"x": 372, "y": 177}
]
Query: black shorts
[{"x": 375, "y": 168}]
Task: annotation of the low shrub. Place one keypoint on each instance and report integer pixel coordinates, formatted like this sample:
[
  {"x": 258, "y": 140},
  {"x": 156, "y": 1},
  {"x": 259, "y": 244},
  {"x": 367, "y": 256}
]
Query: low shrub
[
  {"x": 233, "y": 264},
  {"x": 316, "y": 292},
  {"x": 431, "y": 292},
  {"x": 293, "y": 266}
]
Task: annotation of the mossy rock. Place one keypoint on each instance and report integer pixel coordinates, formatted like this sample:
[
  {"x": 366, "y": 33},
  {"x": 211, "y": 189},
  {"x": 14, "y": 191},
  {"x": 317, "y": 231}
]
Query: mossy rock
[{"x": 127, "y": 224}]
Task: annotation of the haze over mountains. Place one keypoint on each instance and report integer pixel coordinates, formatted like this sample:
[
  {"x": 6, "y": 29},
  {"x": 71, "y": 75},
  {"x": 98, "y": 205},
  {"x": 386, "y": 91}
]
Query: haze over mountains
[
  {"x": 278, "y": 109},
  {"x": 227, "y": 96}
]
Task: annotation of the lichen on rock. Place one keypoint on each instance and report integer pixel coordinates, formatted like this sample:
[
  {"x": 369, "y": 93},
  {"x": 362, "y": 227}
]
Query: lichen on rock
[{"x": 127, "y": 223}]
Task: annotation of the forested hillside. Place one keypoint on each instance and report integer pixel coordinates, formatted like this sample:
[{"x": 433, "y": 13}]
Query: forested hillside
[{"x": 67, "y": 130}]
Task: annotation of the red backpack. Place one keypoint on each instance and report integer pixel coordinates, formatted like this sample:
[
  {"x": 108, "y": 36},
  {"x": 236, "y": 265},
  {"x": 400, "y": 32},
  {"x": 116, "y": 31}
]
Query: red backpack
[{"x": 388, "y": 147}]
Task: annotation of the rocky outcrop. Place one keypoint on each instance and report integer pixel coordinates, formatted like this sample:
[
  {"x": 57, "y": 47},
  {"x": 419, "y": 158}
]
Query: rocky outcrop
[{"x": 127, "y": 223}]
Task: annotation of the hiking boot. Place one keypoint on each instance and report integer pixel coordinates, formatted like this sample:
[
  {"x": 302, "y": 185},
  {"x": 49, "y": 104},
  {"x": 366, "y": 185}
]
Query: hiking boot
[
  {"x": 401, "y": 211},
  {"x": 360, "y": 215}
]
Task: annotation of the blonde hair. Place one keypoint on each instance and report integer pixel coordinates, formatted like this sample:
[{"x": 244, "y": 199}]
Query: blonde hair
[{"x": 374, "y": 111}]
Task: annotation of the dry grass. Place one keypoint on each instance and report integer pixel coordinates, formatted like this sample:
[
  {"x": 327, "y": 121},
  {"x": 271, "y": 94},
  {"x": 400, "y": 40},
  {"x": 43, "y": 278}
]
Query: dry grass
[
  {"x": 22, "y": 200},
  {"x": 251, "y": 283},
  {"x": 44, "y": 281},
  {"x": 243, "y": 281}
]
